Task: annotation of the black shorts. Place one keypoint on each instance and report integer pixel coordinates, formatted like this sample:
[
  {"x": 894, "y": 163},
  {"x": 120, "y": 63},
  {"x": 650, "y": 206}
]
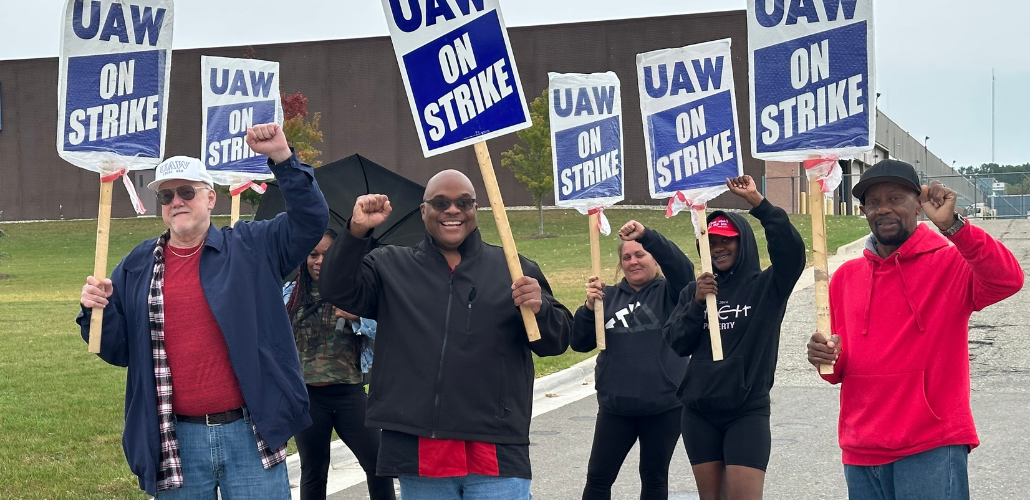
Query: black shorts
[{"x": 735, "y": 438}]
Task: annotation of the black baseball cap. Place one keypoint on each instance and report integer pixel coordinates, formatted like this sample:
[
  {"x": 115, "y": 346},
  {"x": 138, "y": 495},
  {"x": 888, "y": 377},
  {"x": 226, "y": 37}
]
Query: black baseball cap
[{"x": 895, "y": 171}]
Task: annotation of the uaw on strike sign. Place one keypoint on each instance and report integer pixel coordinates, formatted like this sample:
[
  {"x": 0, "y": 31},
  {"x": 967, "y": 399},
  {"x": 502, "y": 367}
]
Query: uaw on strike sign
[
  {"x": 689, "y": 112},
  {"x": 812, "y": 78},
  {"x": 237, "y": 94},
  {"x": 458, "y": 69},
  {"x": 113, "y": 84},
  {"x": 586, "y": 140}
]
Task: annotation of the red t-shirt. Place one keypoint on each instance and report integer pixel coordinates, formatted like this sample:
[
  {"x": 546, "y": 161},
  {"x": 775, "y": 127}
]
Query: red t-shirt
[{"x": 203, "y": 380}]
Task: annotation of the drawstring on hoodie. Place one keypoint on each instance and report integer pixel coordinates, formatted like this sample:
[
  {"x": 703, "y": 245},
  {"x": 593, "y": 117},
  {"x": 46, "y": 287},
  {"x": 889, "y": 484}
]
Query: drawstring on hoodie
[
  {"x": 908, "y": 299},
  {"x": 904, "y": 290}
]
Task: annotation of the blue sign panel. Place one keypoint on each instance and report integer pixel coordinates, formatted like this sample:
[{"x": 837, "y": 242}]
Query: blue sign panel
[
  {"x": 226, "y": 132},
  {"x": 458, "y": 69}
]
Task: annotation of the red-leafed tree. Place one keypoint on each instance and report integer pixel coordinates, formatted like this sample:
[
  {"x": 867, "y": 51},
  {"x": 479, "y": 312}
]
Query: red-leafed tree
[{"x": 300, "y": 133}]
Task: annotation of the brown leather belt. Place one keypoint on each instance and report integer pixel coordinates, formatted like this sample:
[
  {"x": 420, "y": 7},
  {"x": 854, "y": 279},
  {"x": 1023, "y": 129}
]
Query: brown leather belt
[{"x": 213, "y": 418}]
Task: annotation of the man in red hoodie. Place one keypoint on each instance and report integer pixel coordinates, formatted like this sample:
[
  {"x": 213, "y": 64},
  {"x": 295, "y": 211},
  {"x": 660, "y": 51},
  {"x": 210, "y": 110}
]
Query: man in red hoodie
[{"x": 900, "y": 318}]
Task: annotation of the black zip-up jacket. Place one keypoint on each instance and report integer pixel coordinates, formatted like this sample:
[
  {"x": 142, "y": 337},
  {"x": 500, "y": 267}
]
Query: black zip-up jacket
[
  {"x": 751, "y": 307},
  {"x": 638, "y": 373},
  {"x": 452, "y": 358}
]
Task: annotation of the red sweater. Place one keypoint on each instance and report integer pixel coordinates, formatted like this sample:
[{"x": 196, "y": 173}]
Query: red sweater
[
  {"x": 904, "y": 325},
  {"x": 203, "y": 380}
]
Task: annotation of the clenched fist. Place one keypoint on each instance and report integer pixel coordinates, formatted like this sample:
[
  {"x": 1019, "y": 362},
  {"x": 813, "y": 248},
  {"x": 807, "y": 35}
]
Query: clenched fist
[
  {"x": 268, "y": 139},
  {"x": 632, "y": 230},
  {"x": 744, "y": 187},
  {"x": 370, "y": 211}
]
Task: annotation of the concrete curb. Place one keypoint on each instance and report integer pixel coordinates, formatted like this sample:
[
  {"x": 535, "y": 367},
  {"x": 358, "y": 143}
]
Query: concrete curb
[{"x": 574, "y": 375}]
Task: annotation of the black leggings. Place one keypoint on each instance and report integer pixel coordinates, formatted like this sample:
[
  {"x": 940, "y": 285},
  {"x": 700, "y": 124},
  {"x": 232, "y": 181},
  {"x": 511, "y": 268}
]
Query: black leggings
[
  {"x": 737, "y": 438},
  {"x": 614, "y": 436},
  {"x": 340, "y": 407}
]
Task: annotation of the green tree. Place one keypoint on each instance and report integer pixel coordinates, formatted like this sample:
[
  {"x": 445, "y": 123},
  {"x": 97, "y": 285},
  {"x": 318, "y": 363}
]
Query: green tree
[{"x": 532, "y": 164}]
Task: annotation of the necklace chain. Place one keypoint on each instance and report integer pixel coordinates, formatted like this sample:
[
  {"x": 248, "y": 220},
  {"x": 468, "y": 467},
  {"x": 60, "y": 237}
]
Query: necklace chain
[{"x": 191, "y": 254}]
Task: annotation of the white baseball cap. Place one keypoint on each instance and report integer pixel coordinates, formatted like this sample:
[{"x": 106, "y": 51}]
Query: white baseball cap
[{"x": 181, "y": 168}]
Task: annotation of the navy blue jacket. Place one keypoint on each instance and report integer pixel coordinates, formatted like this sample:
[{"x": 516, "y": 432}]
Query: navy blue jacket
[{"x": 241, "y": 271}]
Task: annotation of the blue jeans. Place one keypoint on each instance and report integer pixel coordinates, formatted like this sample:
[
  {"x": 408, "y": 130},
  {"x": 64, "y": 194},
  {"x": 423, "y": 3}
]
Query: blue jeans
[
  {"x": 937, "y": 474},
  {"x": 470, "y": 487},
  {"x": 225, "y": 458}
]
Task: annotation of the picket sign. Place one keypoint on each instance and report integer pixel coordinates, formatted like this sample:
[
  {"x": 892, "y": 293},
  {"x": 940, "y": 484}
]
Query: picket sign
[
  {"x": 812, "y": 87},
  {"x": 689, "y": 111},
  {"x": 236, "y": 95},
  {"x": 112, "y": 101},
  {"x": 587, "y": 152},
  {"x": 463, "y": 88}
]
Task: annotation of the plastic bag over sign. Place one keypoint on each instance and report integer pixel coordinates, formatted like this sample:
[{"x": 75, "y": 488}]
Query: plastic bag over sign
[
  {"x": 586, "y": 140},
  {"x": 826, "y": 171},
  {"x": 237, "y": 94},
  {"x": 113, "y": 84}
]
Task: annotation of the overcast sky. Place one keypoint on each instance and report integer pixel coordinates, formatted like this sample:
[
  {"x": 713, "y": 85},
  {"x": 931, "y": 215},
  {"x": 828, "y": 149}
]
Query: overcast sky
[{"x": 934, "y": 57}]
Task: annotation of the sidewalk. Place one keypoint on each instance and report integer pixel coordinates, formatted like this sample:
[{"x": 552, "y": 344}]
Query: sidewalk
[{"x": 805, "y": 460}]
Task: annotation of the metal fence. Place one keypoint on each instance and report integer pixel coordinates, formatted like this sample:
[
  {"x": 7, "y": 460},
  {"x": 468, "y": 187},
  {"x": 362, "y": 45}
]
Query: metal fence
[{"x": 979, "y": 196}]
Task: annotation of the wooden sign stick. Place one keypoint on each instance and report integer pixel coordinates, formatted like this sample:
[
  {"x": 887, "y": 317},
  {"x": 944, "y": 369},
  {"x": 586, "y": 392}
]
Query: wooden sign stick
[
  {"x": 235, "y": 213},
  {"x": 712, "y": 306},
  {"x": 595, "y": 262},
  {"x": 96, "y": 320},
  {"x": 817, "y": 207},
  {"x": 511, "y": 254}
]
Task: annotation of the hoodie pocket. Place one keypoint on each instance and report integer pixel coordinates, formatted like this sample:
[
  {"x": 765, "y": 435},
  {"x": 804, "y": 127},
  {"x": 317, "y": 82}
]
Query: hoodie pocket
[
  {"x": 715, "y": 386},
  {"x": 886, "y": 412}
]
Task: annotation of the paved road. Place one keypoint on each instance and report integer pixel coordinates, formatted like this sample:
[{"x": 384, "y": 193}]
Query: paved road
[{"x": 805, "y": 460}]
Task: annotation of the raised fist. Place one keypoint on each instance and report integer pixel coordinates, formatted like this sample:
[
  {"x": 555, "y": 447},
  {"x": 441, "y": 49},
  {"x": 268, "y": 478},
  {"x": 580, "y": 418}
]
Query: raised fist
[
  {"x": 632, "y": 230},
  {"x": 370, "y": 211},
  {"x": 268, "y": 139},
  {"x": 938, "y": 204},
  {"x": 744, "y": 187}
]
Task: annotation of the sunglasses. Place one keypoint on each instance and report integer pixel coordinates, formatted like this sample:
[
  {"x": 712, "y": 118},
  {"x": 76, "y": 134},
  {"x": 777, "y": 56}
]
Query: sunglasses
[
  {"x": 440, "y": 203},
  {"x": 186, "y": 192}
]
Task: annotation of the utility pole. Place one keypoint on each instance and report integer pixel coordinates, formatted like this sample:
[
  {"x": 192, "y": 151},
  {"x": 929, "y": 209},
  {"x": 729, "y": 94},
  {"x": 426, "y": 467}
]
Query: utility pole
[
  {"x": 926, "y": 164},
  {"x": 992, "y": 115}
]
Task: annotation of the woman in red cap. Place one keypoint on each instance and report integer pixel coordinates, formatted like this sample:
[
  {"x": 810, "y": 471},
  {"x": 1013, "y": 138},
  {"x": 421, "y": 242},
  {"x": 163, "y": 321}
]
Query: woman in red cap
[{"x": 726, "y": 403}]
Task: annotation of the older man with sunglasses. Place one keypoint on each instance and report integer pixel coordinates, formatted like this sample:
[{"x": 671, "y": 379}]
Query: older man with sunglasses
[
  {"x": 453, "y": 380},
  {"x": 214, "y": 387}
]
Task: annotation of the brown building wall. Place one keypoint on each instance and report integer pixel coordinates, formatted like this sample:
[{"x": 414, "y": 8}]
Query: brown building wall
[{"x": 357, "y": 87}]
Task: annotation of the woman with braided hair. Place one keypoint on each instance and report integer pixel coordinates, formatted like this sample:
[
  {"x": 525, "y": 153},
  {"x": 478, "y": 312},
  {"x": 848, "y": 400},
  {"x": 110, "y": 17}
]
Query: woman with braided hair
[{"x": 330, "y": 357}]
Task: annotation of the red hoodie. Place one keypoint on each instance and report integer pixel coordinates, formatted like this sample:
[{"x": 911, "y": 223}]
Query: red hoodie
[{"x": 904, "y": 326}]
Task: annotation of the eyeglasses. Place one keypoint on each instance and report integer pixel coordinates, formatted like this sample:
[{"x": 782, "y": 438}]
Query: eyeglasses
[
  {"x": 186, "y": 192},
  {"x": 441, "y": 203}
]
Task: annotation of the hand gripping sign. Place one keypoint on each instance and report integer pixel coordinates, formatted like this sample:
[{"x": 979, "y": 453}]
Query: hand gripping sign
[
  {"x": 587, "y": 152},
  {"x": 113, "y": 99},
  {"x": 463, "y": 88},
  {"x": 690, "y": 133},
  {"x": 811, "y": 82},
  {"x": 237, "y": 93}
]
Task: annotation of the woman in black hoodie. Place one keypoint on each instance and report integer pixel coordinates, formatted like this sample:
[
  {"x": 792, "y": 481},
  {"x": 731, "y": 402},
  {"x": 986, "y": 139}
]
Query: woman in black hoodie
[
  {"x": 726, "y": 403},
  {"x": 637, "y": 374}
]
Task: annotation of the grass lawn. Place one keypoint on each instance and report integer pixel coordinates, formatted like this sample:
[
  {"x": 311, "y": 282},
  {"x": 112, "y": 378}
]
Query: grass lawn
[{"x": 61, "y": 407}]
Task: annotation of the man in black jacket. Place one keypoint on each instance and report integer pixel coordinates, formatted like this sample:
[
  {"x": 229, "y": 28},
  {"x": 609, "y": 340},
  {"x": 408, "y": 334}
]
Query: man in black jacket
[{"x": 453, "y": 379}]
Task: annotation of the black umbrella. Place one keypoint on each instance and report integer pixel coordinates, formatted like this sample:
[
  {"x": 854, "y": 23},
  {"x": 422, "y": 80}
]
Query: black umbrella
[{"x": 343, "y": 181}]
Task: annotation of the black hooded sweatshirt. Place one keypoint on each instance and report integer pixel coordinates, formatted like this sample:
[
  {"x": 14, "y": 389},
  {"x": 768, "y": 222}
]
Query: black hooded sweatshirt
[
  {"x": 637, "y": 373},
  {"x": 751, "y": 306}
]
